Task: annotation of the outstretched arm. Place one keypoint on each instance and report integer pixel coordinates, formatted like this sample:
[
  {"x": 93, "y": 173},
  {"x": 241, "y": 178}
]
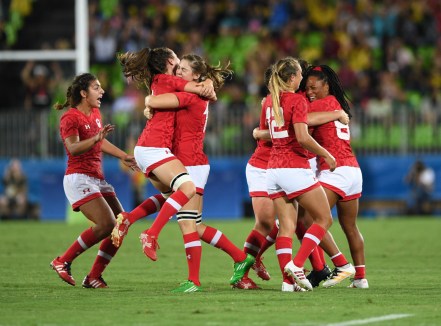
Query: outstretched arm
[
  {"x": 319, "y": 118},
  {"x": 204, "y": 89},
  {"x": 309, "y": 143},
  {"x": 163, "y": 101},
  {"x": 128, "y": 160}
]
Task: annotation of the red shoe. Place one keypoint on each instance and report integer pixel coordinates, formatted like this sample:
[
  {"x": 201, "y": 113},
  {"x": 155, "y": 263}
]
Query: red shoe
[
  {"x": 121, "y": 229},
  {"x": 246, "y": 283},
  {"x": 260, "y": 269},
  {"x": 149, "y": 245},
  {"x": 63, "y": 270},
  {"x": 94, "y": 283}
]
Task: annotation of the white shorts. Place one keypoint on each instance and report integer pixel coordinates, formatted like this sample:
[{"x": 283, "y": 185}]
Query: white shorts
[
  {"x": 149, "y": 158},
  {"x": 314, "y": 165},
  {"x": 256, "y": 179},
  {"x": 199, "y": 175},
  {"x": 290, "y": 182},
  {"x": 80, "y": 189},
  {"x": 345, "y": 181}
]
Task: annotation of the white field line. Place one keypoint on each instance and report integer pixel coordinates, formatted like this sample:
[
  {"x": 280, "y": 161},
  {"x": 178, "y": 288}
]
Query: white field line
[
  {"x": 358, "y": 321},
  {"x": 370, "y": 320}
]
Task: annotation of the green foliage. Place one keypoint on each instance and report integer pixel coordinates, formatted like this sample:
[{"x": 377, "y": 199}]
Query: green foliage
[{"x": 402, "y": 257}]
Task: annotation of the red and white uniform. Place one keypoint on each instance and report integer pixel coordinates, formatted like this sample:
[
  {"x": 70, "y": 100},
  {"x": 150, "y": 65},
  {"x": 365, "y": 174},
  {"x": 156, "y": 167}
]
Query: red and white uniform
[
  {"x": 346, "y": 180},
  {"x": 84, "y": 178},
  {"x": 188, "y": 141},
  {"x": 257, "y": 164},
  {"x": 289, "y": 173},
  {"x": 154, "y": 144}
]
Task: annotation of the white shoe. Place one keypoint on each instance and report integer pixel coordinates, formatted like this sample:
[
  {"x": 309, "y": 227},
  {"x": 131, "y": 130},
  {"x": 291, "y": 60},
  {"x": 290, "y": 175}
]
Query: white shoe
[
  {"x": 298, "y": 274},
  {"x": 361, "y": 283},
  {"x": 339, "y": 274},
  {"x": 287, "y": 287}
]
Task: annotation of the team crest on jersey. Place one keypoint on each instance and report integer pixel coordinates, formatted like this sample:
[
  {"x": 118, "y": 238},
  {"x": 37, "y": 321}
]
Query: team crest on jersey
[{"x": 98, "y": 123}]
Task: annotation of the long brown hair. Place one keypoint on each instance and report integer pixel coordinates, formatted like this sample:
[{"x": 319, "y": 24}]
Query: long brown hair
[
  {"x": 217, "y": 74},
  {"x": 142, "y": 66},
  {"x": 73, "y": 94}
]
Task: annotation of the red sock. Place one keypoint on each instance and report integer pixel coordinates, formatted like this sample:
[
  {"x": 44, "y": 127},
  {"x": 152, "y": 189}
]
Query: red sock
[
  {"x": 172, "y": 205},
  {"x": 315, "y": 259},
  {"x": 193, "y": 251},
  {"x": 284, "y": 254},
  {"x": 269, "y": 240},
  {"x": 253, "y": 243},
  {"x": 149, "y": 206},
  {"x": 105, "y": 254},
  {"x": 217, "y": 239},
  {"x": 311, "y": 239},
  {"x": 339, "y": 259},
  {"x": 86, "y": 240},
  {"x": 321, "y": 252},
  {"x": 360, "y": 272}
]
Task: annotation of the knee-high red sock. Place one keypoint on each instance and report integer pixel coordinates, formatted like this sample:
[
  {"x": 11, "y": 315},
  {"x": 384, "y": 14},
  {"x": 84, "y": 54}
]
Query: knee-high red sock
[
  {"x": 217, "y": 239},
  {"x": 269, "y": 240},
  {"x": 149, "y": 206},
  {"x": 86, "y": 240},
  {"x": 193, "y": 251},
  {"x": 253, "y": 243},
  {"x": 172, "y": 205},
  {"x": 311, "y": 239},
  {"x": 316, "y": 260},
  {"x": 321, "y": 252},
  {"x": 105, "y": 254},
  {"x": 284, "y": 254}
]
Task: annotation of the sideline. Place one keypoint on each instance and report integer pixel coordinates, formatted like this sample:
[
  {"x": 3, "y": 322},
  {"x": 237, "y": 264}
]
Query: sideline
[
  {"x": 358, "y": 321},
  {"x": 371, "y": 320}
]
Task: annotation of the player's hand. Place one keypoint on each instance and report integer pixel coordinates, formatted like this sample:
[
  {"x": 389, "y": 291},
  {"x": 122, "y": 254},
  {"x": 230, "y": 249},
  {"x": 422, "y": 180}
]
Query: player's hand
[
  {"x": 108, "y": 128},
  {"x": 148, "y": 112},
  {"x": 331, "y": 161},
  {"x": 130, "y": 162},
  {"x": 207, "y": 90},
  {"x": 344, "y": 117},
  {"x": 255, "y": 131}
]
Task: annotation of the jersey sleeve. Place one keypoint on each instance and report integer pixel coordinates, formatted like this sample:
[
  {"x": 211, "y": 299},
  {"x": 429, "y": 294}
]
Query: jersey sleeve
[
  {"x": 300, "y": 109},
  {"x": 186, "y": 99},
  {"x": 178, "y": 83},
  {"x": 68, "y": 126}
]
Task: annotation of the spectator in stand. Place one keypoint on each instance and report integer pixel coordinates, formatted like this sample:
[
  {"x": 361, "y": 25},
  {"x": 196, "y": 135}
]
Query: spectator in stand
[
  {"x": 40, "y": 83},
  {"x": 421, "y": 179},
  {"x": 14, "y": 201}
]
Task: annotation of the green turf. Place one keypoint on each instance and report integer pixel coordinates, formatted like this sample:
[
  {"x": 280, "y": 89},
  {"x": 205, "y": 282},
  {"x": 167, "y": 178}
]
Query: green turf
[{"x": 403, "y": 268}]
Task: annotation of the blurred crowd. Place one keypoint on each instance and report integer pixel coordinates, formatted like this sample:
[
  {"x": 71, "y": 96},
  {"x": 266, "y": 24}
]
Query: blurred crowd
[{"x": 387, "y": 54}]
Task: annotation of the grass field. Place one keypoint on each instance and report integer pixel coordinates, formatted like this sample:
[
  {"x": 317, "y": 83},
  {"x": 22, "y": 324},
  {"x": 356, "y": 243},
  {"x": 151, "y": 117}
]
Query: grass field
[{"x": 403, "y": 268}]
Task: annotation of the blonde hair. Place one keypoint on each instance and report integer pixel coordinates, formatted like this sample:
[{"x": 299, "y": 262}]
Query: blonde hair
[{"x": 279, "y": 81}]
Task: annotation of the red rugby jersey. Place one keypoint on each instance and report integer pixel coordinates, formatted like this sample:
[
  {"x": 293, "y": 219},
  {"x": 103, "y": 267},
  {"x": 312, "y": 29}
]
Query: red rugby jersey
[
  {"x": 159, "y": 130},
  {"x": 286, "y": 151},
  {"x": 261, "y": 154},
  {"x": 191, "y": 122},
  {"x": 333, "y": 136},
  {"x": 75, "y": 123}
]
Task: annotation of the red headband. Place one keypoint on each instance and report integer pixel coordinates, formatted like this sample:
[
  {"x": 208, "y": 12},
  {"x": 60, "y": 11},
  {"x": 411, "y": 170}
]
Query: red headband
[{"x": 317, "y": 68}]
